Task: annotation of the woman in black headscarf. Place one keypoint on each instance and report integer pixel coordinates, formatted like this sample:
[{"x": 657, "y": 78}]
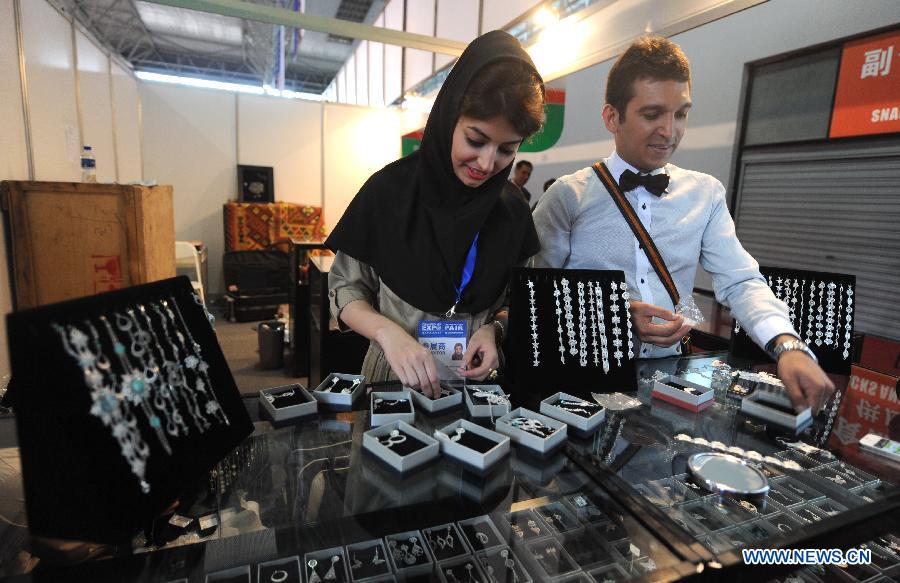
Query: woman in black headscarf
[{"x": 433, "y": 235}]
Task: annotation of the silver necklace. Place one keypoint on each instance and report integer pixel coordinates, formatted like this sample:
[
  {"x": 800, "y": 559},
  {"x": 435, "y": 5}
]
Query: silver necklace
[
  {"x": 615, "y": 319},
  {"x": 534, "y": 330},
  {"x": 625, "y": 297},
  {"x": 601, "y": 327},
  {"x": 593, "y": 312},
  {"x": 570, "y": 319},
  {"x": 582, "y": 331},
  {"x": 559, "y": 329}
]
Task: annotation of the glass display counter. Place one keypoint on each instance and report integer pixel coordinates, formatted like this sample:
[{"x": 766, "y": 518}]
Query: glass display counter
[{"x": 305, "y": 502}]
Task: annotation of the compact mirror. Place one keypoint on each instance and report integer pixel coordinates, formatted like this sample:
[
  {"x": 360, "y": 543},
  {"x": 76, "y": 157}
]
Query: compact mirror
[{"x": 727, "y": 474}]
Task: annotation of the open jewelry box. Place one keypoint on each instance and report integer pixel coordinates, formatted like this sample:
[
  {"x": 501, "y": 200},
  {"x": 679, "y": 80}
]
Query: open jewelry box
[
  {"x": 683, "y": 393},
  {"x": 773, "y": 404},
  {"x": 486, "y": 401},
  {"x": 339, "y": 391},
  {"x": 367, "y": 559},
  {"x": 389, "y": 406},
  {"x": 570, "y": 330},
  {"x": 288, "y": 402},
  {"x": 449, "y": 398},
  {"x": 538, "y": 433},
  {"x": 409, "y": 553},
  {"x": 122, "y": 399},
  {"x": 280, "y": 571},
  {"x": 582, "y": 417},
  {"x": 472, "y": 445},
  {"x": 326, "y": 565},
  {"x": 400, "y": 445}
]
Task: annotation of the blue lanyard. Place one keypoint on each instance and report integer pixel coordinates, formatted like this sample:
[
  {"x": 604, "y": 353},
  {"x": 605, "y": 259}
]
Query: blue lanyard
[{"x": 466, "y": 277}]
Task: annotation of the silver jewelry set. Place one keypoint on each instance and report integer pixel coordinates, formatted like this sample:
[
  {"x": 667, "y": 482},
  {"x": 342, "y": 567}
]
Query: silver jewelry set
[
  {"x": 376, "y": 559},
  {"x": 272, "y": 398},
  {"x": 509, "y": 565},
  {"x": 407, "y": 554},
  {"x": 532, "y": 426},
  {"x": 580, "y": 408},
  {"x": 334, "y": 384},
  {"x": 574, "y": 335},
  {"x": 157, "y": 377},
  {"x": 392, "y": 439},
  {"x": 330, "y": 575}
]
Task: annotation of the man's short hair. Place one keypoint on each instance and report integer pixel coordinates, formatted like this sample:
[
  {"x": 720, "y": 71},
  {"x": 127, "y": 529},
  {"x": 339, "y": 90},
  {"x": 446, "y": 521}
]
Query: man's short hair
[
  {"x": 649, "y": 57},
  {"x": 521, "y": 163}
]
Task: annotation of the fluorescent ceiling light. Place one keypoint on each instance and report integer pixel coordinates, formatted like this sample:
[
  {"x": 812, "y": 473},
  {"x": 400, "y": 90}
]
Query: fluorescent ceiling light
[
  {"x": 191, "y": 23},
  {"x": 223, "y": 86}
]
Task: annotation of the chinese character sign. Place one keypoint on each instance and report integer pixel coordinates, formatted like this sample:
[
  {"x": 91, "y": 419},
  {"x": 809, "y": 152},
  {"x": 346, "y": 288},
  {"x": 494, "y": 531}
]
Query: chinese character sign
[
  {"x": 867, "y": 100},
  {"x": 868, "y": 407}
]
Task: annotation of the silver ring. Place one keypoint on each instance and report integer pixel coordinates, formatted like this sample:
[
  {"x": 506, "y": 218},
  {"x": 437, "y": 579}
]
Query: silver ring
[{"x": 279, "y": 576}]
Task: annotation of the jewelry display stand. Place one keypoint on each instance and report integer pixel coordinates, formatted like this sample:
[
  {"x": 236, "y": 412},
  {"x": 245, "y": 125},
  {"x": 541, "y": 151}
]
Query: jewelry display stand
[
  {"x": 570, "y": 330},
  {"x": 400, "y": 445},
  {"x": 123, "y": 400},
  {"x": 821, "y": 306},
  {"x": 390, "y": 406}
]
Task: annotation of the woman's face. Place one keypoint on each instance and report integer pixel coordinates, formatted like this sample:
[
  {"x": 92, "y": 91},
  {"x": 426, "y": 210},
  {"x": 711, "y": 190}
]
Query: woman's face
[{"x": 481, "y": 148}]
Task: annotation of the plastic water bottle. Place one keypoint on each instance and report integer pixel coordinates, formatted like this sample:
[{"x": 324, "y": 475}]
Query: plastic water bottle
[{"x": 88, "y": 165}]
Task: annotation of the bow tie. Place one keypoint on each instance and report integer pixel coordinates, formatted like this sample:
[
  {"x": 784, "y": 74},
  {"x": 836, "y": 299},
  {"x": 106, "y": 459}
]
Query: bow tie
[{"x": 654, "y": 183}]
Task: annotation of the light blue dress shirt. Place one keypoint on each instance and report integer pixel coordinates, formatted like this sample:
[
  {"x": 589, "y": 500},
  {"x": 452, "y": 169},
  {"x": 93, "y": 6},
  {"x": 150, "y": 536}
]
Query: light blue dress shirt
[{"x": 580, "y": 227}]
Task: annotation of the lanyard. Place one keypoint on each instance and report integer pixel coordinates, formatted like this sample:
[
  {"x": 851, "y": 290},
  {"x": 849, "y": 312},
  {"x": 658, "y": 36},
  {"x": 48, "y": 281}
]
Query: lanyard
[{"x": 466, "y": 277}]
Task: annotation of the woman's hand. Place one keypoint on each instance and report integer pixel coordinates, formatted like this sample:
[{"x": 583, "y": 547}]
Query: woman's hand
[
  {"x": 410, "y": 361},
  {"x": 483, "y": 344}
]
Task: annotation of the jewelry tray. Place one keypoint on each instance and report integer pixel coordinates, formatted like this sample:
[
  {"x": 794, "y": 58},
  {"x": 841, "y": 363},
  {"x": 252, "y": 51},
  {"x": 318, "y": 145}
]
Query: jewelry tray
[
  {"x": 305, "y": 406},
  {"x": 478, "y": 410},
  {"x": 78, "y": 482},
  {"x": 543, "y": 332},
  {"x": 579, "y": 425}
]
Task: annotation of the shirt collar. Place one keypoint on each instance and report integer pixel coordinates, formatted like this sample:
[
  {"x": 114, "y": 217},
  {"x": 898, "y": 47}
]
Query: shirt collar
[{"x": 617, "y": 166}]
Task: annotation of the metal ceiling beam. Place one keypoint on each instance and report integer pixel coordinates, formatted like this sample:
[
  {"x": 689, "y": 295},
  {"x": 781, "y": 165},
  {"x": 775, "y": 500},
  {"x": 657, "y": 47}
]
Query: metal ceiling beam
[{"x": 281, "y": 16}]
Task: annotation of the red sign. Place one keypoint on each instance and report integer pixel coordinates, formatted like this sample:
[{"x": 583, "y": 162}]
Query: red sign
[
  {"x": 868, "y": 407},
  {"x": 867, "y": 100}
]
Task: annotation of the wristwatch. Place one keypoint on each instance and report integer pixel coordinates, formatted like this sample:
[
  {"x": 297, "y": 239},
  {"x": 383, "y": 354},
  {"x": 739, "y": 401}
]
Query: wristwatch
[{"x": 795, "y": 344}]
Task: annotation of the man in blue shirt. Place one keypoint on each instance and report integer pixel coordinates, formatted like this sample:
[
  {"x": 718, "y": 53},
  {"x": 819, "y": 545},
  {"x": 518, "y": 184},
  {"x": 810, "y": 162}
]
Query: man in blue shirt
[{"x": 648, "y": 97}]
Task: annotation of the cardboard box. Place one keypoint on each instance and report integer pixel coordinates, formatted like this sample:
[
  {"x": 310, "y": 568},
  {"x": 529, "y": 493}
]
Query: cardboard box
[
  {"x": 338, "y": 401},
  {"x": 683, "y": 393},
  {"x": 405, "y": 401},
  {"x": 325, "y": 560},
  {"x": 772, "y": 408},
  {"x": 307, "y": 407},
  {"x": 543, "y": 446},
  {"x": 429, "y": 405},
  {"x": 480, "y": 461},
  {"x": 398, "y": 461},
  {"x": 409, "y": 553},
  {"x": 582, "y": 425},
  {"x": 72, "y": 240},
  {"x": 482, "y": 410}
]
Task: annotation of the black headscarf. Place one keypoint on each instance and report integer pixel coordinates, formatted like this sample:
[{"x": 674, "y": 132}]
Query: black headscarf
[{"x": 414, "y": 221}]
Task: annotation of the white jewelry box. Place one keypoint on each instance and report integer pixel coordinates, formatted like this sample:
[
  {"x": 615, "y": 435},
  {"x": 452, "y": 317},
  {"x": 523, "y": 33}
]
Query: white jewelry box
[
  {"x": 454, "y": 398},
  {"x": 307, "y": 407},
  {"x": 480, "y": 408},
  {"x": 543, "y": 446},
  {"x": 479, "y": 460},
  {"x": 339, "y": 401},
  {"x": 324, "y": 562},
  {"x": 404, "y": 401},
  {"x": 409, "y": 553},
  {"x": 683, "y": 393},
  {"x": 776, "y": 407},
  {"x": 583, "y": 425},
  {"x": 374, "y": 441}
]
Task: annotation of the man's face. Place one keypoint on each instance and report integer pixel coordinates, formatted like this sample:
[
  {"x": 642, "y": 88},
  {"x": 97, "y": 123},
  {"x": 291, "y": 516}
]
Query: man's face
[
  {"x": 521, "y": 175},
  {"x": 654, "y": 122}
]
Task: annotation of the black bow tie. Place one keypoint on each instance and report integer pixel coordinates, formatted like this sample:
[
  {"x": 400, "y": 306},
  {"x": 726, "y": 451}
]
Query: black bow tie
[{"x": 654, "y": 183}]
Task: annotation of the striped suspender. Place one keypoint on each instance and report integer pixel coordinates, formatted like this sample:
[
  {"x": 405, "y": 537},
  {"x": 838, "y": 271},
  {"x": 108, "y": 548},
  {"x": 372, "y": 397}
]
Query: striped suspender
[{"x": 656, "y": 260}]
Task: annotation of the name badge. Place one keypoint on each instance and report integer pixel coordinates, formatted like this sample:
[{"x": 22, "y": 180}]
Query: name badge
[{"x": 446, "y": 339}]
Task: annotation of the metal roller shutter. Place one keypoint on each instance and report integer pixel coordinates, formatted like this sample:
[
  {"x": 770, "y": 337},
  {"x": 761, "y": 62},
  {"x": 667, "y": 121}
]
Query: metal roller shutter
[{"x": 828, "y": 207}]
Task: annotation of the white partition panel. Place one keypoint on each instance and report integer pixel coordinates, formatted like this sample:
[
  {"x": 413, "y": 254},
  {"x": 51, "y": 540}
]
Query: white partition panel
[
  {"x": 456, "y": 20},
  {"x": 189, "y": 142},
  {"x": 95, "y": 105},
  {"x": 419, "y": 64},
  {"x": 51, "y": 92},
  {"x": 499, "y": 13},
  {"x": 350, "y": 80},
  {"x": 358, "y": 141},
  {"x": 393, "y": 55},
  {"x": 284, "y": 134},
  {"x": 13, "y": 157},
  {"x": 362, "y": 73},
  {"x": 342, "y": 85},
  {"x": 376, "y": 74},
  {"x": 126, "y": 108}
]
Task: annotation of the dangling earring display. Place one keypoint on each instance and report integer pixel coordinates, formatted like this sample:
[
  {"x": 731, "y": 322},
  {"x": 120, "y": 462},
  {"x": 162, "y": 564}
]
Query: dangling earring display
[
  {"x": 829, "y": 314},
  {"x": 615, "y": 319},
  {"x": 601, "y": 327},
  {"x": 593, "y": 312},
  {"x": 534, "y": 330},
  {"x": 570, "y": 319},
  {"x": 559, "y": 328},
  {"x": 625, "y": 298},
  {"x": 582, "y": 332}
]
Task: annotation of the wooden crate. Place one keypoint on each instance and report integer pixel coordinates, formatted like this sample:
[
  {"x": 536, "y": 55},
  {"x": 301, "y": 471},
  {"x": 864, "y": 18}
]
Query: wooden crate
[{"x": 70, "y": 240}]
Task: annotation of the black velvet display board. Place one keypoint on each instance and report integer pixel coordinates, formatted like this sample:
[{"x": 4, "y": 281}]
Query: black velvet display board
[
  {"x": 835, "y": 357},
  {"x": 78, "y": 482},
  {"x": 551, "y": 374}
]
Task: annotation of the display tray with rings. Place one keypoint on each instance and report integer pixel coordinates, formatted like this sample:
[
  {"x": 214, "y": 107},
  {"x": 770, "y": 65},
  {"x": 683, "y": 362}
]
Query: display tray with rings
[
  {"x": 389, "y": 406},
  {"x": 338, "y": 391},
  {"x": 288, "y": 402},
  {"x": 401, "y": 446}
]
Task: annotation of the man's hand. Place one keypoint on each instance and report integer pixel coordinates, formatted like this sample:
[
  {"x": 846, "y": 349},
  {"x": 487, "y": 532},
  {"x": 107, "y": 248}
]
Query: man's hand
[
  {"x": 806, "y": 382},
  {"x": 484, "y": 344},
  {"x": 410, "y": 361},
  {"x": 663, "y": 335}
]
